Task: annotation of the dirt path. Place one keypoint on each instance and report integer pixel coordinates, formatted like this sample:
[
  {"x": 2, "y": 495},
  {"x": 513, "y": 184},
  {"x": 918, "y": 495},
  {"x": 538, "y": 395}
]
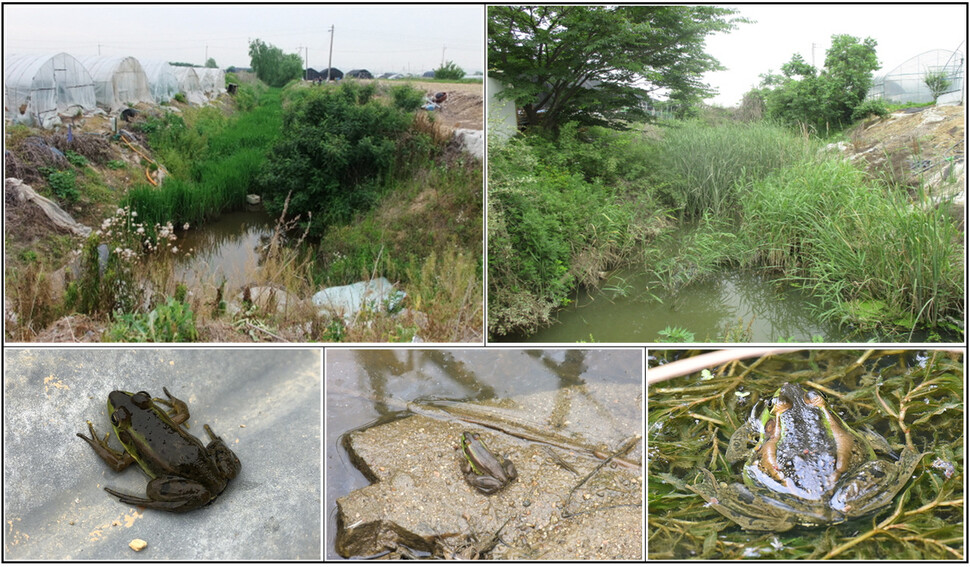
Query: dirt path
[{"x": 464, "y": 107}]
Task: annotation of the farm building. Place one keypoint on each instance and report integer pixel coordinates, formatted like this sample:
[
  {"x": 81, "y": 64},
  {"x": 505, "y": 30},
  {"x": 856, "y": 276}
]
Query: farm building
[
  {"x": 189, "y": 84},
  {"x": 904, "y": 83},
  {"x": 335, "y": 74},
  {"x": 118, "y": 81},
  {"x": 162, "y": 81},
  {"x": 39, "y": 87}
]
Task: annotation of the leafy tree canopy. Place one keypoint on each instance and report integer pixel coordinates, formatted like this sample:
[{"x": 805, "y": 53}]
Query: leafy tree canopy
[
  {"x": 272, "y": 66},
  {"x": 830, "y": 98},
  {"x": 449, "y": 70},
  {"x": 211, "y": 63},
  {"x": 599, "y": 64},
  {"x": 937, "y": 81}
]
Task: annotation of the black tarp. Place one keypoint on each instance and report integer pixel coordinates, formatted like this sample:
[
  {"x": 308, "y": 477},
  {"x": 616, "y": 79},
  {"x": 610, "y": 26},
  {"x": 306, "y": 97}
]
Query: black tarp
[
  {"x": 360, "y": 74},
  {"x": 334, "y": 74}
]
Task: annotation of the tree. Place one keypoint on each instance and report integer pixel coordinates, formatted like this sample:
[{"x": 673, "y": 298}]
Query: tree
[
  {"x": 211, "y": 63},
  {"x": 600, "y": 64},
  {"x": 272, "y": 66},
  {"x": 827, "y": 99},
  {"x": 937, "y": 81},
  {"x": 449, "y": 71}
]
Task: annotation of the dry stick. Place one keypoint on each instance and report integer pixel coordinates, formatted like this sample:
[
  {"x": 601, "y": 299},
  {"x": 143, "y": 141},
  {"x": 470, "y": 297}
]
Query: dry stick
[{"x": 702, "y": 361}]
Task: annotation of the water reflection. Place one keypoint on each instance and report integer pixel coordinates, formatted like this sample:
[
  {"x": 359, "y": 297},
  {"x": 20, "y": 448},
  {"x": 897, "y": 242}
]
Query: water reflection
[
  {"x": 226, "y": 248},
  {"x": 626, "y": 309}
]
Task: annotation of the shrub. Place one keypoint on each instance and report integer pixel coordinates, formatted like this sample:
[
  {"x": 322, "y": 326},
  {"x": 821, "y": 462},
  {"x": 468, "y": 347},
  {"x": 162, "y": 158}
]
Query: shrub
[
  {"x": 406, "y": 97},
  {"x": 171, "y": 322},
  {"x": 64, "y": 185},
  {"x": 449, "y": 71},
  {"x": 76, "y": 159},
  {"x": 337, "y": 149},
  {"x": 180, "y": 97}
]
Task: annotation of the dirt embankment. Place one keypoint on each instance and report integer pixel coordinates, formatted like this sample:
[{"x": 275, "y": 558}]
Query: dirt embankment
[
  {"x": 464, "y": 107},
  {"x": 917, "y": 145}
]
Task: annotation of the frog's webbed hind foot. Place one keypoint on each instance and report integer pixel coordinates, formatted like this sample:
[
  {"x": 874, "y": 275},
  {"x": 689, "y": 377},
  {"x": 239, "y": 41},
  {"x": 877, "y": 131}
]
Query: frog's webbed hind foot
[
  {"x": 745, "y": 508},
  {"x": 170, "y": 506}
]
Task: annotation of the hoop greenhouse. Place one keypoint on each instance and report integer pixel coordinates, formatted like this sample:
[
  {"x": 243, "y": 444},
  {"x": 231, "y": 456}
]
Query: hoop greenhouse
[{"x": 39, "y": 88}]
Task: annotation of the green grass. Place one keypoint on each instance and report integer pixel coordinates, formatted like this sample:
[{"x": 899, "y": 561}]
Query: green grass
[
  {"x": 702, "y": 169},
  {"x": 213, "y": 162}
]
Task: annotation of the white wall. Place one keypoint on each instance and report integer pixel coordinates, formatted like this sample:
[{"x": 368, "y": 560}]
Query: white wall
[{"x": 500, "y": 113}]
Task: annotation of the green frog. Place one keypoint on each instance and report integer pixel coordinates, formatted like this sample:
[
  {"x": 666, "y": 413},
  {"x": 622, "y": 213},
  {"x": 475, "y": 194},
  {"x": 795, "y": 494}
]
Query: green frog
[
  {"x": 185, "y": 473},
  {"x": 806, "y": 468},
  {"x": 482, "y": 469}
]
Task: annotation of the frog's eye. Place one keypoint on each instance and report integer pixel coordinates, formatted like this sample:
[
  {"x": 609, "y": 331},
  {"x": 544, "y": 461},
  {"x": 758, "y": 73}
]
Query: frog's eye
[
  {"x": 781, "y": 406},
  {"x": 120, "y": 416},
  {"x": 814, "y": 398},
  {"x": 142, "y": 399}
]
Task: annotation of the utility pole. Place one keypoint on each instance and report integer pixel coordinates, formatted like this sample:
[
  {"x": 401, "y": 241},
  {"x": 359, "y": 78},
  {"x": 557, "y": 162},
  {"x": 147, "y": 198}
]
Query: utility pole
[
  {"x": 206, "y": 60},
  {"x": 443, "y": 48},
  {"x": 306, "y": 56},
  {"x": 330, "y": 59},
  {"x": 813, "y": 54}
]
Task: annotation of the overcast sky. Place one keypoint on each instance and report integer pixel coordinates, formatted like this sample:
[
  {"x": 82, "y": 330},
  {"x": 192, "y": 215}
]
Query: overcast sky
[
  {"x": 901, "y": 32},
  {"x": 391, "y": 38}
]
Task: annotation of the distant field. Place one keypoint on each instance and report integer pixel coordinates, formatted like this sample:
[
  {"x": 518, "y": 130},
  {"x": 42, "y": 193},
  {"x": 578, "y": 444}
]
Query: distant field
[{"x": 433, "y": 86}]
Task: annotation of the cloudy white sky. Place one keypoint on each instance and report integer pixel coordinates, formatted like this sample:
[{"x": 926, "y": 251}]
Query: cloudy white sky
[
  {"x": 901, "y": 32},
  {"x": 389, "y": 38}
]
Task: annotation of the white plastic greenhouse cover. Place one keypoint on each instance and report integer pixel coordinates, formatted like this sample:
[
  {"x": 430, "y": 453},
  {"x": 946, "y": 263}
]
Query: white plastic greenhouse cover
[
  {"x": 189, "y": 84},
  {"x": 161, "y": 79},
  {"x": 37, "y": 88},
  {"x": 118, "y": 81},
  {"x": 213, "y": 81},
  {"x": 905, "y": 82}
]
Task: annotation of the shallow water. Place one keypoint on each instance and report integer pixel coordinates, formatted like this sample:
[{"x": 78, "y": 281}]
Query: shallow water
[
  {"x": 623, "y": 309},
  {"x": 227, "y": 247}
]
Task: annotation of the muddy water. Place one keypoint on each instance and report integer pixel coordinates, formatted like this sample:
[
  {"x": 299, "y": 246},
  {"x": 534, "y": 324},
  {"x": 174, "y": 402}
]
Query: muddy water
[
  {"x": 623, "y": 310},
  {"x": 227, "y": 247}
]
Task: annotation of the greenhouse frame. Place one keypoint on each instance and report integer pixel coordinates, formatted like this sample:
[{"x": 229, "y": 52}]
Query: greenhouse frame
[
  {"x": 904, "y": 83},
  {"x": 189, "y": 84},
  {"x": 162, "y": 82},
  {"x": 213, "y": 81},
  {"x": 118, "y": 81},
  {"x": 38, "y": 88}
]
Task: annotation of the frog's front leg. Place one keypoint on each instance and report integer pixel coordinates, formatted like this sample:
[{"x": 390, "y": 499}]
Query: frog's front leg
[
  {"x": 117, "y": 460},
  {"x": 171, "y": 493},
  {"x": 180, "y": 410}
]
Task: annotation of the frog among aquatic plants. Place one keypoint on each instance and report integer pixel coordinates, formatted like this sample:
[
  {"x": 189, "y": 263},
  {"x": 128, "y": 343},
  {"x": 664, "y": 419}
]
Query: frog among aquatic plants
[
  {"x": 185, "y": 473},
  {"x": 807, "y": 468}
]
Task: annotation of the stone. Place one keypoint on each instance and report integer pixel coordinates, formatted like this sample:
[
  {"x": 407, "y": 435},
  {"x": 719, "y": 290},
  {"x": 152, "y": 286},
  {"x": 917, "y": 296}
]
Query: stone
[
  {"x": 472, "y": 141},
  {"x": 348, "y": 300},
  {"x": 253, "y": 199}
]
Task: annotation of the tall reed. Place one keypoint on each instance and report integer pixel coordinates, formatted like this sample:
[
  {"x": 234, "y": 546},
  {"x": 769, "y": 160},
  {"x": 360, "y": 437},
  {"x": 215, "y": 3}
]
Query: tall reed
[
  {"x": 872, "y": 255},
  {"x": 700, "y": 168}
]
